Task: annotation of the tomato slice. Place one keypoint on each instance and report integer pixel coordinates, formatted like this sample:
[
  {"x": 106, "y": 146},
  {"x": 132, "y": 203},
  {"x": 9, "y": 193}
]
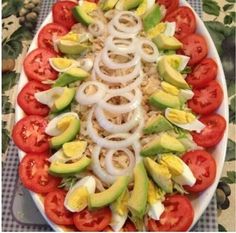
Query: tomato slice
[
  {"x": 184, "y": 19},
  {"x": 96, "y": 220},
  {"x": 37, "y": 67},
  {"x": 206, "y": 100},
  {"x": 33, "y": 172},
  {"x": 47, "y": 32},
  {"x": 62, "y": 14},
  {"x": 129, "y": 226},
  {"x": 27, "y": 101},
  {"x": 212, "y": 133},
  {"x": 55, "y": 209},
  {"x": 203, "y": 73},
  {"x": 203, "y": 167},
  {"x": 170, "y": 5},
  {"x": 29, "y": 134},
  {"x": 178, "y": 215},
  {"x": 195, "y": 47}
]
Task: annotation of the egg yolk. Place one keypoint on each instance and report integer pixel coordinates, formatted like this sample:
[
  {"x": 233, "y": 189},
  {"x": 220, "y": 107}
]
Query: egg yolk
[
  {"x": 72, "y": 149},
  {"x": 170, "y": 88},
  {"x": 61, "y": 63},
  {"x": 78, "y": 199},
  {"x": 120, "y": 206},
  {"x": 63, "y": 123},
  {"x": 174, "y": 164},
  {"x": 142, "y": 8},
  {"x": 153, "y": 193},
  {"x": 155, "y": 31},
  {"x": 71, "y": 37},
  {"x": 180, "y": 117},
  {"x": 89, "y": 6},
  {"x": 174, "y": 61}
]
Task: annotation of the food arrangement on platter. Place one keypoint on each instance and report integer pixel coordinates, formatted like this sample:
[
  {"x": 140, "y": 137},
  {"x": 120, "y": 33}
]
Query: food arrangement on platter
[{"x": 120, "y": 116}]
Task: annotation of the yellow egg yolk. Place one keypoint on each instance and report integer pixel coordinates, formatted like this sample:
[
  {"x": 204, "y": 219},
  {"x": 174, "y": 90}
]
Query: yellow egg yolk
[
  {"x": 61, "y": 63},
  {"x": 78, "y": 199},
  {"x": 170, "y": 88},
  {"x": 72, "y": 149},
  {"x": 180, "y": 117},
  {"x": 155, "y": 31},
  {"x": 174, "y": 61},
  {"x": 71, "y": 36},
  {"x": 64, "y": 122},
  {"x": 120, "y": 205},
  {"x": 89, "y": 6},
  {"x": 174, "y": 164},
  {"x": 142, "y": 8},
  {"x": 154, "y": 194}
]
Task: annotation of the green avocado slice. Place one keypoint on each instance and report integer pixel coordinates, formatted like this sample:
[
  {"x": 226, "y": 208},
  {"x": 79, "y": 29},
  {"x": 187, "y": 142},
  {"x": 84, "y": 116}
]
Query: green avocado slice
[{"x": 152, "y": 17}]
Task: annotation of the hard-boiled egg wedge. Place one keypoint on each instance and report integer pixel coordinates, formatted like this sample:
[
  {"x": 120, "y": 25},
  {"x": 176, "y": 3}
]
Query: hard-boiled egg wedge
[
  {"x": 167, "y": 29},
  {"x": 48, "y": 97},
  {"x": 180, "y": 172},
  {"x": 119, "y": 211},
  {"x": 61, "y": 64},
  {"x": 58, "y": 124},
  {"x": 156, "y": 208},
  {"x": 178, "y": 62},
  {"x": 186, "y": 94},
  {"x": 58, "y": 156},
  {"x": 77, "y": 197},
  {"x": 144, "y": 7},
  {"x": 184, "y": 120}
]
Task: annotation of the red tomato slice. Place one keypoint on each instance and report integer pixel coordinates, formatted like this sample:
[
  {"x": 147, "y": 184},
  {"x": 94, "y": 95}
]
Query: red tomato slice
[
  {"x": 212, "y": 133},
  {"x": 129, "y": 227},
  {"x": 29, "y": 134},
  {"x": 47, "y": 32},
  {"x": 185, "y": 21},
  {"x": 170, "y": 5},
  {"x": 37, "y": 67},
  {"x": 195, "y": 47},
  {"x": 178, "y": 215},
  {"x": 96, "y": 220},
  {"x": 62, "y": 14},
  {"x": 33, "y": 172},
  {"x": 55, "y": 210},
  {"x": 203, "y": 167},
  {"x": 206, "y": 100},
  {"x": 203, "y": 73},
  {"x": 27, "y": 101}
]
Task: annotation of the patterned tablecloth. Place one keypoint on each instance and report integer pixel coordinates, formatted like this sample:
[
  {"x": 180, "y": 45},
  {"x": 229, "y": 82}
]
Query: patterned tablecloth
[{"x": 20, "y": 19}]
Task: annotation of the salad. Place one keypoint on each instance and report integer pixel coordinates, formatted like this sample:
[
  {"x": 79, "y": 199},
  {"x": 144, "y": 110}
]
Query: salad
[{"x": 119, "y": 116}]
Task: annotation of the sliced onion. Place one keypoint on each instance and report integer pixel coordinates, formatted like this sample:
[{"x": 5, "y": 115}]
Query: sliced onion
[
  {"x": 84, "y": 99},
  {"x": 116, "y": 79},
  {"x": 97, "y": 28},
  {"x": 86, "y": 63},
  {"x": 115, "y": 65},
  {"x": 117, "y": 128},
  {"x": 122, "y": 108},
  {"x": 145, "y": 56},
  {"x": 111, "y": 144},
  {"x": 114, "y": 32},
  {"x": 116, "y": 171}
]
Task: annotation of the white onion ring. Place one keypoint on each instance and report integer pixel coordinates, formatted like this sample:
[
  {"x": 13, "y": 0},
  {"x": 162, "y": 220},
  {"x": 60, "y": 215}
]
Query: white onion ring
[
  {"x": 97, "y": 28},
  {"x": 117, "y": 128},
  {"x": 116, "y": 79},
  {"x": 114, "y": 65},
  {"x": 111, "y": 169},
  {"x": 123, "y": 108},
  {"x": 84, "y": 99},
  {"x": 110, "y": 144},
  {"x": 114, "y": 32},
  {"x": 145, "y": 56}
]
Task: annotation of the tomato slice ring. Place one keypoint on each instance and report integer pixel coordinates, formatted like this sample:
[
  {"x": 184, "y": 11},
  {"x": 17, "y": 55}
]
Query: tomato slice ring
[
  {"x": 96, "y": 220},
  {"x": 33, "y": 172},
  {"x": 178, "y": 215},
  {"x": 29, "y": 134},
  {"x": 203, "y": 73},
  {"x": 170, "y": 5},
  {"x": 185, "y": 21},
  {"x": 55, "y": 210},
  {"x": 27, "y": 101},
  {"x": 212, "y": 133},
  {"x": 206, "y": 100},
  {"x": 37, "y": 66},
  {"x": 203, "y": 167}
]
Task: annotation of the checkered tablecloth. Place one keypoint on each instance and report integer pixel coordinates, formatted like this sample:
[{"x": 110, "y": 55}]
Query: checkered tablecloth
[{"x": 19, "y": 212}]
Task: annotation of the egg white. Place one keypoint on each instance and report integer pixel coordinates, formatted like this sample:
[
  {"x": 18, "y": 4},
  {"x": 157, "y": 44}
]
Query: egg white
[
  {"x": 195, "y": 125},
  {"x": 186, "y": 94},
  {"x": 155, "y": 210},
  {"x": 118, "y": 221},
  {"x": 150, "y": 4},
  {"x": 170, "y": 29},
  {"x": 52, "y": 129}
]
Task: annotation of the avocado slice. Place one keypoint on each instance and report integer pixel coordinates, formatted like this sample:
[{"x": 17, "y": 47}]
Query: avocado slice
[
  {"x": 138, "y": 199},
  {"x": 160, "y": 174},
  {"x": 107, "y": 5},
  {"x": 169, "y": 74},
  {"x": 72, "y": 47},
  {"x": 64, "y": 100},
  {"x": 152, "y": 17},
  {"x": 97, "y": 200},
  {"x": 74, "y": 74},
  {"x": 68, "y": 169},
  {"x": 162, "y": 144},
  {"x": 161, "y": 100},
  {"x": 128, "y": 5},
  {"x": 157, "y": 124},
  {"x": 81, "y": 15},
  {"x": 167, "y": 42},
  {"x": 68, "y": 135}
]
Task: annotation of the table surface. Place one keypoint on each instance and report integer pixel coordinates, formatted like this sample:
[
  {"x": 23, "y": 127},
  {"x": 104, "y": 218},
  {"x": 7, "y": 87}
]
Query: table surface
[{"x": 219, "y": 17}]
